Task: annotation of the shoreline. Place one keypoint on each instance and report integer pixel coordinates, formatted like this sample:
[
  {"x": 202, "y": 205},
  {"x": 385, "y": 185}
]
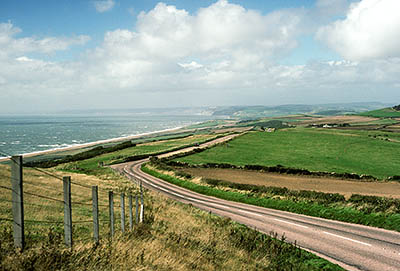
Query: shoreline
[{"x": 93, "y": 143}]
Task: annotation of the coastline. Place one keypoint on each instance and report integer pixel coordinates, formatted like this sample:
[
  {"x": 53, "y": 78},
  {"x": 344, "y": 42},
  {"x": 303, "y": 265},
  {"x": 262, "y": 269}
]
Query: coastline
[{"x": 93, "y": 143}]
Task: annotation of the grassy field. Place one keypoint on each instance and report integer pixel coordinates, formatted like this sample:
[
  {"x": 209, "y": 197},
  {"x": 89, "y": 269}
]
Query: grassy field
[
  {"x": 382, "y": 113},
  {"x": 362, "y": 152},
  {"x": 377, "y": 122}
]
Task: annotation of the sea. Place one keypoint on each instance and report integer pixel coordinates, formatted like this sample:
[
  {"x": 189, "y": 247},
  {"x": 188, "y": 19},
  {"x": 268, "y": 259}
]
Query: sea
[{"x": 30, "y": 134}]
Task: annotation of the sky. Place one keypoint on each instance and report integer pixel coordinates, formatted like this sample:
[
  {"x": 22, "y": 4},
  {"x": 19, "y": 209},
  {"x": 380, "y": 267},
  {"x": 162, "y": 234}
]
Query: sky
[{"x": 75, "y": 55}]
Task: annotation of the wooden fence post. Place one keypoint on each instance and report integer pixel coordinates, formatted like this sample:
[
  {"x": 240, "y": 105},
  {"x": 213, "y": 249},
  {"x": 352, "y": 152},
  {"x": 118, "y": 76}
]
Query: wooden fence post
[
  {"x": 122, "y": 212},
  {"x": 111, "y": 209},
  {"x": 67, "y": 211},
  {"x": 130, "y": 213},
  {"x": 17, "y": 202},
  {"x": 95, "y": 202},
  {"x": 137, "y": 209}
]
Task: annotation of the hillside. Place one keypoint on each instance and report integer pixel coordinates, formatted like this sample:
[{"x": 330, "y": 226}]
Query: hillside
[{"x": 389, "y": 112}]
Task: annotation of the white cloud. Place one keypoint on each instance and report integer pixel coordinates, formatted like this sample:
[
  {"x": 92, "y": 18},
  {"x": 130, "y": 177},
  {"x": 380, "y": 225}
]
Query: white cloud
[
  {"x": 191, "y": 66},
  {"x": 10, "y": 44},
  {"x": 165, "y": 36},
  {"x": 222, "y": 54},
  {"x": 369, "y": 31},
  {"x": 104, "y": 5}
]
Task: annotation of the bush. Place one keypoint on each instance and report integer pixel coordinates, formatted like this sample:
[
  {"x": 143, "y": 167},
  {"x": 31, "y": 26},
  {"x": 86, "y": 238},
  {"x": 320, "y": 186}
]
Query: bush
[{"x": 80, "y": 156}]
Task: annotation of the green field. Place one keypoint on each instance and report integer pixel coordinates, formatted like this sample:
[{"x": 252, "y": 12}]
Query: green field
[
  {"x": 384, "y": 121},
  {"x": 338, "y": 151},
  {"x": 382, "y": 113}
]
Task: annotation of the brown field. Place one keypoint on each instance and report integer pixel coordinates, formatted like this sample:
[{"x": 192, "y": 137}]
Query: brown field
[
  {"x": 338, "y": 119},
  {"x": 327, "y": 185}
]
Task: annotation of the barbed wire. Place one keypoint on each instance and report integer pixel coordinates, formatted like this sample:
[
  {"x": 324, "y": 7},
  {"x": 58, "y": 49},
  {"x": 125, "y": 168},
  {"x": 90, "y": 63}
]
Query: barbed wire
[
  {"x": 81, "y": 203},
  {"x": 44, "y": 197},
  {"x": 31, "y": 204},
  {"x": 44, "y": 221},
  {"x": 43, "y": 187},
  {"x": 47, "y": 173},
  {"x": 6, "y": 219},
  {"x": 5, "y": 187}
]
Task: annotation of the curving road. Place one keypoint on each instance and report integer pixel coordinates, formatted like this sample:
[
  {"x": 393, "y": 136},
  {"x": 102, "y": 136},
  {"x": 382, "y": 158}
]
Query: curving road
[{"x": 352, "y": 246}]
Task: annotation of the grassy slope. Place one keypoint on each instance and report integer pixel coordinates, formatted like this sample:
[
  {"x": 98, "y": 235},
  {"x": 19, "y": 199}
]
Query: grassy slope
[
  {"x": 382, "y": 113},
  {"x": 312, "y": 149}
]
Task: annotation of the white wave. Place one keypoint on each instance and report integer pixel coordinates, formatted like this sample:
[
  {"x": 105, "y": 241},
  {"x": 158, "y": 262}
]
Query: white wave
[{"x": 61, "y": 147}]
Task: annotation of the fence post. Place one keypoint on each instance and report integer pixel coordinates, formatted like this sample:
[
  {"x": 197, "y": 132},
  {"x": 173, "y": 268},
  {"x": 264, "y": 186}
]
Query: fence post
[
  {"x": 130, "y": 213},
  {"x": 137, "y": 209},
  {"x": 111, "y": 209},
  {"x": 122, "y": 212},
  {"x": 142, "y": 203},
  {"x": 67, "y": 211},
  {"x": 95, "y": 202},
  {"x": 17, "y": 202}
]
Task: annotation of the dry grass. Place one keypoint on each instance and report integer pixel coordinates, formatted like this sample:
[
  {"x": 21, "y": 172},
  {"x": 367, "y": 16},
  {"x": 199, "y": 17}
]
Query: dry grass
[{"x": 41, "y": 213}]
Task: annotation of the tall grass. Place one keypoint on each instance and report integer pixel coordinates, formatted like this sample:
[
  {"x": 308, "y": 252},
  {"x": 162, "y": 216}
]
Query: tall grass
[{"x": 44, "y": 208}]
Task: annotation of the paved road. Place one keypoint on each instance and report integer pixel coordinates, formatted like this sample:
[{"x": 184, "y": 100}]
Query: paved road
[{"x": 354, "y": 247}]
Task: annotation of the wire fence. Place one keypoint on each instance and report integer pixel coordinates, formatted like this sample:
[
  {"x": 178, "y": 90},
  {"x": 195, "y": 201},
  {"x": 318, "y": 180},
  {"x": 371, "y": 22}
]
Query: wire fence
[{"x": 88, "y": 213}]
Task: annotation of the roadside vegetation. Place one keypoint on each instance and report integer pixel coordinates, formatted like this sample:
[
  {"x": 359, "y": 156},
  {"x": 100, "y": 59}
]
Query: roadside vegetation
[
  {"x": 366, "y": 210},
  {"x": 372, "y": 153}
]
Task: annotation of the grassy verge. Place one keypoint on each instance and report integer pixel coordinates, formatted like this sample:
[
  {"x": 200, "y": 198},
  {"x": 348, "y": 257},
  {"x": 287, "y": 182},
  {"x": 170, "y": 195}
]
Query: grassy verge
[
  {"x": 319, "y": 150},
  {"x": 331, "y": 210}
]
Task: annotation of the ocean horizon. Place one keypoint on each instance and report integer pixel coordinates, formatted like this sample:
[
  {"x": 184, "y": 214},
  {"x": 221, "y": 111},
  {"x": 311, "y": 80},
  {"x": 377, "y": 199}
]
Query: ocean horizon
[{"x": 22, "y": 134}]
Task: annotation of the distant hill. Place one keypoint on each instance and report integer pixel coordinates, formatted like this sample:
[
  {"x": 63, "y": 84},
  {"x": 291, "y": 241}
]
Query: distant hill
[
  {"x": 389, "y": 112},
  {"x": 296, "y": 109}
]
